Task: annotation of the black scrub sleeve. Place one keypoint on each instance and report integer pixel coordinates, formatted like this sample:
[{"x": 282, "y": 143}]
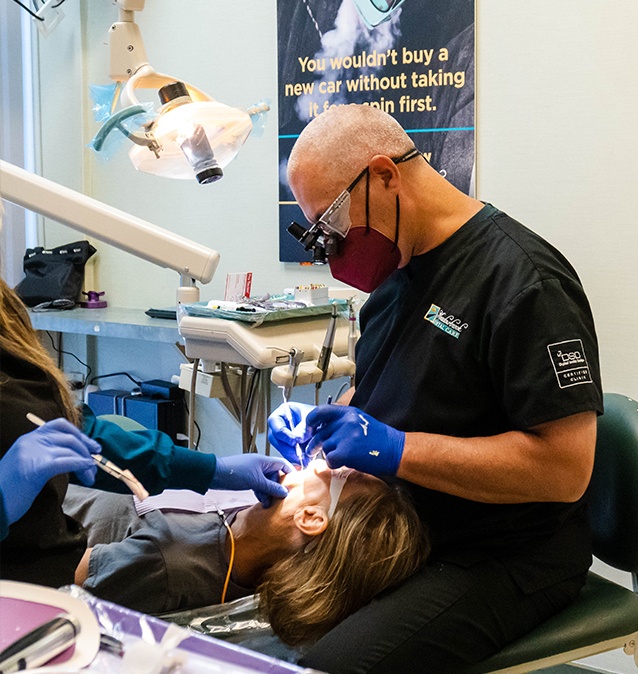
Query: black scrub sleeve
[{"x": 544, "y": 355}]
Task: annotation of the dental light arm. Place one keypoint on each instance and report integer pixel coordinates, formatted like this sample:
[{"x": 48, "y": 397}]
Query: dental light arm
[
  {"x": 128, "y": 60},
  {"x": 190, "y": 260}
]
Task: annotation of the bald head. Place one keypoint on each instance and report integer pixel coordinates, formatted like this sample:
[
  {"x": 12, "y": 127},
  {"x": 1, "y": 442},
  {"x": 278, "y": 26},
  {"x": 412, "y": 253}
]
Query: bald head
[{"x": 341, "y": 141}]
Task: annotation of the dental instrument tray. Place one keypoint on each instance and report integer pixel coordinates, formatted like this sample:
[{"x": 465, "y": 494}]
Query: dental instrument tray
[{"x": 263, "y": 309}]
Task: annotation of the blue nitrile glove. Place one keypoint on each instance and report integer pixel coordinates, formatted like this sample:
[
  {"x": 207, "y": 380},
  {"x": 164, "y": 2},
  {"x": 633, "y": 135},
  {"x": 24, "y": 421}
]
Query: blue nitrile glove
[
  {"x": 349, "y": 437},
  {"x": 36, "y": 457},
  {"x": 252, "y": 471},
  {"x": 287, "y": 428}
]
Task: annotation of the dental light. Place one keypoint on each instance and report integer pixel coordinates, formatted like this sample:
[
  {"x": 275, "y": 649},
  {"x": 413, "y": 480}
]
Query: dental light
[{"x": 194, "y": 135}]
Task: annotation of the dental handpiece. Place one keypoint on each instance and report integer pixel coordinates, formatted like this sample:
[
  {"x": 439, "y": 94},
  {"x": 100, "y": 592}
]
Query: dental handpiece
[
  {"x": 107, "y": 466},
  {"x": 352, "y": 334},
  {"x": 296, "y": 356},
  {"x": 352, "y": 330},
  {"x": 326, "y": 350}
]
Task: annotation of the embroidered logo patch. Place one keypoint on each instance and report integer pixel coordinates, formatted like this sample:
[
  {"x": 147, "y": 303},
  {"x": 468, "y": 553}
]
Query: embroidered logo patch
[
  {"x": 570, "y": 363},
  {"x": 446, "y": 322}
]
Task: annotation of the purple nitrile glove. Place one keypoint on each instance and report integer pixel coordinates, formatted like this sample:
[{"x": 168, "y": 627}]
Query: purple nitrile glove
[
  {"x": 350, "y": 437},
  {"x": 252, "y": 471},
  {"x": 287, "y": 429},
  {"x": 36, "y": 457}
]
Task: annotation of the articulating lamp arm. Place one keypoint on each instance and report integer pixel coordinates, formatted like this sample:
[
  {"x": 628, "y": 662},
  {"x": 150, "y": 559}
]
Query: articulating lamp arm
[{"x": 122, "y": 230}]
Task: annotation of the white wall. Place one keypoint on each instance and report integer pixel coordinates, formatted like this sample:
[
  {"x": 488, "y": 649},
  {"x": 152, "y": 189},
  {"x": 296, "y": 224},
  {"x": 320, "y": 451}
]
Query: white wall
[{"x": 556, "y": 102}]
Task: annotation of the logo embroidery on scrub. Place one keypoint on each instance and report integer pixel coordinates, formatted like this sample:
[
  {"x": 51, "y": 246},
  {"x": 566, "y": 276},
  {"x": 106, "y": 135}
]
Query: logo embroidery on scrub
[
  {"x": 447, "y": 322},
  {"x": 570, "y": 364}
]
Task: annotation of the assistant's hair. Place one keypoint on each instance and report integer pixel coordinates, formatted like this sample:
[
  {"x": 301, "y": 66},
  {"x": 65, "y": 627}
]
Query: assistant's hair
[
  {"x": 342, "y": 140},
  {"x": 18, "y": 338},
  {"x": 374, "y": 541}
]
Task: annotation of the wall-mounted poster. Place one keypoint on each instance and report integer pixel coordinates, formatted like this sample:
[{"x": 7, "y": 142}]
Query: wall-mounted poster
[{"x": 412, "y": 58}]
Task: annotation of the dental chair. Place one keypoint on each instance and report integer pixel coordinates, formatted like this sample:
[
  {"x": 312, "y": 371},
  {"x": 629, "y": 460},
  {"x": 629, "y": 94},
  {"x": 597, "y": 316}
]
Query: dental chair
[
  {"x": 605, "y": 615},
  {"x": 126, "y": 423}
]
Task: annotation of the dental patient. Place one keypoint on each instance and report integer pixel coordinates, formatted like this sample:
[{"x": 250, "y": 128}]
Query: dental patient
[{"x": 339, "y": 538}]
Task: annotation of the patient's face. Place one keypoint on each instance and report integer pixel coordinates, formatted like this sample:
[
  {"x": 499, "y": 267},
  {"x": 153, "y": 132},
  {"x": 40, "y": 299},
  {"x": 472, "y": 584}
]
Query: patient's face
[{"x": 311, "y": 486}]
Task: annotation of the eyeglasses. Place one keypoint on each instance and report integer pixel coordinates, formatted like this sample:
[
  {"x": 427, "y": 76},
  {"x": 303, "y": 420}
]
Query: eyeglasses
[
  {"x": 322, "y": 237},
  {"x": 336, "y": 219}
]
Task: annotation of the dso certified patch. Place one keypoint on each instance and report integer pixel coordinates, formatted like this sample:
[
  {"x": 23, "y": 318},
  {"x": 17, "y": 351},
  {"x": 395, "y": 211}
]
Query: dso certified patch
[{"x": 570, "y": 363}]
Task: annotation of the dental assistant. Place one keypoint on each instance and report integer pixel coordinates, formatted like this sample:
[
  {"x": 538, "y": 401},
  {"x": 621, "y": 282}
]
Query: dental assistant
[
  {"x": 477, "y": 385},
  {"x": 42, "y": 544}
]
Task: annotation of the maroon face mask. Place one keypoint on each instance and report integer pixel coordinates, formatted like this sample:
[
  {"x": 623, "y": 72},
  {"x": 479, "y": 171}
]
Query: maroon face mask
[{"x": 365, "y": 259}]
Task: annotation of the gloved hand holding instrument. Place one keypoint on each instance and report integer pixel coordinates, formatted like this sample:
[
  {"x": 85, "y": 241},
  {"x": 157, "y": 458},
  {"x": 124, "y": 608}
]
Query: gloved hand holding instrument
[
  {"x": 349, "y": 437},
  {"x": 287, "y": 429},
  {"x": 35, "y": 457}
]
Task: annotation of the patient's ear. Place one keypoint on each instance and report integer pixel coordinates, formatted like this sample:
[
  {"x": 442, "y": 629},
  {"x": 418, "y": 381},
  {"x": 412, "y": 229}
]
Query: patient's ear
[{"x": 311, "y": 520}]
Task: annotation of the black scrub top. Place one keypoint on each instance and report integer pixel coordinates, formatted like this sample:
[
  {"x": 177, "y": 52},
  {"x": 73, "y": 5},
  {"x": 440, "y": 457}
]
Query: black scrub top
[
  {"x": 489, "y": 332},
  {"x": 44, "y": 546}
]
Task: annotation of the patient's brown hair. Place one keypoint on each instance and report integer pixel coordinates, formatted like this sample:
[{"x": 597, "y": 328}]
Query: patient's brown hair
[
  {"x": 18, "y": 338},
  {"x": 374, "y": 541}
]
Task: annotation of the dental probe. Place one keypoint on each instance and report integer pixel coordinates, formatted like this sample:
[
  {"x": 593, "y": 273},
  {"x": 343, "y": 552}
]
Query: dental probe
[
  {"x": 291, "y": 423},
  {"x": 107, "y": 466},
  {"x": 318, "y": 450}
]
